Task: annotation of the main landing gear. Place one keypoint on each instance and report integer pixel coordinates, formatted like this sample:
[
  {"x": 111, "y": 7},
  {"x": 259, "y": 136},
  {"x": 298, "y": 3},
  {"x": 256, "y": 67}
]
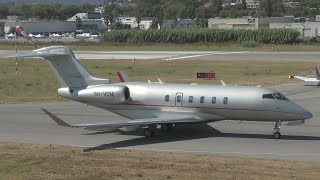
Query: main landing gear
[
  {"x": 150, "y": 130},
  {"x": 277, "y": 134}
]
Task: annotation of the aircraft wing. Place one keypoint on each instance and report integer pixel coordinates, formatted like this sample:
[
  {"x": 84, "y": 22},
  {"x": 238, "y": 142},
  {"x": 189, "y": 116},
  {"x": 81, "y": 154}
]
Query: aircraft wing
[{"x": 114, "y": 126}]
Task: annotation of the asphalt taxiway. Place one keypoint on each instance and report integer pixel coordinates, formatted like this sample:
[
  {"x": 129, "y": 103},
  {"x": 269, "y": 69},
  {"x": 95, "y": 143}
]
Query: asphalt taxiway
[
  {"x": 27, "y": 123},
  {"x": 193, "y": 55}
]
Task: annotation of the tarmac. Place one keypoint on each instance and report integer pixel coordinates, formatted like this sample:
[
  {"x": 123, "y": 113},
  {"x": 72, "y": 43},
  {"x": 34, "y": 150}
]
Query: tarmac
[
  {"x": 28, "y": 124},
  {"x": 192, "y": 55}
]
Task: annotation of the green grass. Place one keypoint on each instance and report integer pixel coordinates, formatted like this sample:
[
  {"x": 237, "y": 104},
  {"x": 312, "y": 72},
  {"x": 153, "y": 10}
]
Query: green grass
[
  {"x": 25, "y": 161},
  {"x": 36, "y": 83},
  {"x": 171, "y": 47}
]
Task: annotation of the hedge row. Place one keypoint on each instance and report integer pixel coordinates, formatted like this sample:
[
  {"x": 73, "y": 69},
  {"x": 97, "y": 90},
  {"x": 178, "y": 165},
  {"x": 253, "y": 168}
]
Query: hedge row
[{"x": 274, "y": 36}]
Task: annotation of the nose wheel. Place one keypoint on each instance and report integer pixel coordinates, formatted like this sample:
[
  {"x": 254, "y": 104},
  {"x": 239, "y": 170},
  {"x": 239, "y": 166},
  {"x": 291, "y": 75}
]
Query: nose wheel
[{"x": 277, "y": 134}]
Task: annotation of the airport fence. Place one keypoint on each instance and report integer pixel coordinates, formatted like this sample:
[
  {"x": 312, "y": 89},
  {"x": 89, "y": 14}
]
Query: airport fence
[{"x": 181, "y": 36}]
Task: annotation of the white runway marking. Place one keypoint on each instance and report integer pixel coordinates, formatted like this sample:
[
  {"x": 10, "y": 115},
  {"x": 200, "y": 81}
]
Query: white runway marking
[
  {"x": 187, "y": 57},
  {"x": 201, "y": 55}
]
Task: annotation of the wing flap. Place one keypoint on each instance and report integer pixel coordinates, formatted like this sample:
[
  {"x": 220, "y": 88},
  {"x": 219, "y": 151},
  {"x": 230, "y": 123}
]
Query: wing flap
[{"x": 114, "y": 126}]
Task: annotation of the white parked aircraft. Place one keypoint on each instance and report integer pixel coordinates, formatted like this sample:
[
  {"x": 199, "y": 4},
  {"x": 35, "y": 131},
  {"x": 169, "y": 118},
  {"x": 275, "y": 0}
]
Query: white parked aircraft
[
  {"x": 309, "y": 79},
  {"x": 151, "y": 105}
]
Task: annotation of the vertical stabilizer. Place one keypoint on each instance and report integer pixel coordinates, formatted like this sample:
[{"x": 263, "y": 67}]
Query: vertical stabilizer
[
  {"x": 123, "y": 76},
  {"x": 67, "y": 69}
]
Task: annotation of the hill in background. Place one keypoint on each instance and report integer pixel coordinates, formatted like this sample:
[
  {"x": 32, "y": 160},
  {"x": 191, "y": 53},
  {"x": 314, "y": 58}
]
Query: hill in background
[{"x": 53, "y": 1}]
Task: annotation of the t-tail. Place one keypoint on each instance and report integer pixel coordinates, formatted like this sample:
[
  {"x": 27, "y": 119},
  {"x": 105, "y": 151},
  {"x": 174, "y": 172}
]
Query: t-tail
[
  {"x": 76, "y": 82},
  {"x": 69, "y": 72}
]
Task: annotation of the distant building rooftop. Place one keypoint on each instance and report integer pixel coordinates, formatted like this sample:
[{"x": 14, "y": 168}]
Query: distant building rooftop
[{"x": 86, "y": 16}]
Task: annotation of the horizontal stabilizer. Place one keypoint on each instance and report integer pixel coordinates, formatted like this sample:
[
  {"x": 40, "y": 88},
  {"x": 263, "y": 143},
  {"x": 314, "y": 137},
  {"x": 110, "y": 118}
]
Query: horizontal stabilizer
[{"x": 67, "y": 69}]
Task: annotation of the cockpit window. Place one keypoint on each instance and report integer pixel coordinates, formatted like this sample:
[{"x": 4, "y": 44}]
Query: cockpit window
[
  {"x": 268, "y": 96},
  {"x": 280, "y": 96}
]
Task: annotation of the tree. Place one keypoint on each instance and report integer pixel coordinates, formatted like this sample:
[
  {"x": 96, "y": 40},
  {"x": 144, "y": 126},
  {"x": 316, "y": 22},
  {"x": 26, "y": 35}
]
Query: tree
[
  {"x": 12, "y": 30},
  {"x": 215, "y": 7},
  {"x": 202, "y": 23},
  {"x": 4, "y": 11},
  {"x": 202, "y": 12},
  {"x": 111, "y": 11},
  {"x": 22, "y": 10},
  {"x": 138, "y": 19},
  {"x": 44, "y": 11},
  {"x": 78, "y": 22},
  {"x": 270, "y": 8},
  {"x": 150, "y": 8},
  {"x": 67, "y": 11},
  {"x": 86, "y": 8},
  {"x": 243, "y": 4}
]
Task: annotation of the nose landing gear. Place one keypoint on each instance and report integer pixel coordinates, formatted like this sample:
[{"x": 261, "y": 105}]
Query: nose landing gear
[{"x": 277, "y": 134}]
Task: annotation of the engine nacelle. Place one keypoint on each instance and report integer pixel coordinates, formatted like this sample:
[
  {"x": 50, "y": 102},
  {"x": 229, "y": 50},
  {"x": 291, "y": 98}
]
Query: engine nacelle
[{"x": 108, "y": 94}]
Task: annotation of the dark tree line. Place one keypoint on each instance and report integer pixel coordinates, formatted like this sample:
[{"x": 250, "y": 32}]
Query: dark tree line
[
  {"x": 165, "y": 9},
  {"x": 43, "y": 11}
]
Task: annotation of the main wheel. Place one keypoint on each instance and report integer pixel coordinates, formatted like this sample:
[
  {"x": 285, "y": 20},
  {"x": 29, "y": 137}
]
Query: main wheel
[
  {"x": 166, "y": 127},
  {"x": 276, "y": 135},
  {"x": 148, "y": 132}
]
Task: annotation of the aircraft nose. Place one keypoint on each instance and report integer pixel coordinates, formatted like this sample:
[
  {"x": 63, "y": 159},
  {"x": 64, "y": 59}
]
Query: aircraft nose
[
  {"x": 304, "y": 113},
  {"x": 308, "y": 115}
]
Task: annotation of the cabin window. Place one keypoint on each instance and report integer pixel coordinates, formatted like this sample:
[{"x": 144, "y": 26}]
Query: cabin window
[
  {"x": 190, "y": 99},
  {"x": 202, "y": 99},
  {"x": 280, "y": 96},
  {"x": 268, "y": 96},
  {"x": 179, "y": 98},
  {"x": 225, "y": 100},
  {"x": 166, "y": 98},
  {"x": 214, "y": 100}
]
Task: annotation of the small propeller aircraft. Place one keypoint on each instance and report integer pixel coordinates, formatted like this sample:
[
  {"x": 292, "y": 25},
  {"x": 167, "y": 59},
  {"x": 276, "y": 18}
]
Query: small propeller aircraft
[{"x": 152, "y": 105}]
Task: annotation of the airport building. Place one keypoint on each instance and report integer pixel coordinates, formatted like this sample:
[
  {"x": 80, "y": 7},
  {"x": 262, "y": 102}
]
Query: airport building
[
  {"x": 246, "y": 23},
  {"x": 180, "y": 23},
  {"x": 90, "y": 21},
  {"x": 252, "y": 4},
  {"x": 306, "y": 29},
  {"x": 145, "y": 22}
]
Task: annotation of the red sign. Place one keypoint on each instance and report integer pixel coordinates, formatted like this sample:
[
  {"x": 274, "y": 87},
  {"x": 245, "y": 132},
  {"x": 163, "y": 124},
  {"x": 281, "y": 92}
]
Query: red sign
[{"x": 206, "y": 75}]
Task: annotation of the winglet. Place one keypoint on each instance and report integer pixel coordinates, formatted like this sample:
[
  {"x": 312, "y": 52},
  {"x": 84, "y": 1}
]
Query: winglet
[{"x": 59, "y": 121}]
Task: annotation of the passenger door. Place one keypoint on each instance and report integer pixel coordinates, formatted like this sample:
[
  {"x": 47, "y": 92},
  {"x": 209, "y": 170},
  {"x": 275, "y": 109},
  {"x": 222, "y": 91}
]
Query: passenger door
[{"x": 179, "y": 99}]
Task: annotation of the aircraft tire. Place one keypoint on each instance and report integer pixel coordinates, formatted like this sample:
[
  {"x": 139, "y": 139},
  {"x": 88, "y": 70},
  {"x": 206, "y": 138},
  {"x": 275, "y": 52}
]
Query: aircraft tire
[
  {"x": 276, "y": 135},
  {"x": 166, "y": 127},
  {"x": 148, "y": 132}
]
